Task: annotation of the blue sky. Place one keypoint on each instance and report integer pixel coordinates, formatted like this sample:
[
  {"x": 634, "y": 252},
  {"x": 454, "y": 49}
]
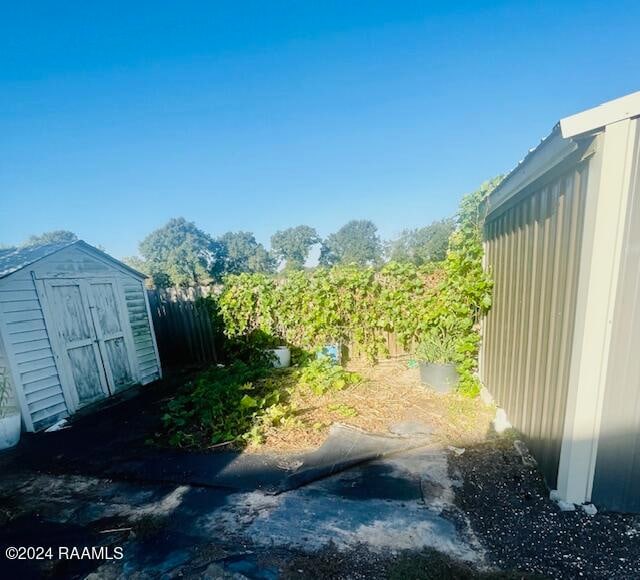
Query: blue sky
[{"x": 259, "y": 116}]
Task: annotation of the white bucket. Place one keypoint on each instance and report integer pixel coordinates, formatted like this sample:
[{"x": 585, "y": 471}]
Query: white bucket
[
  {"x": 281, "y": 357},
  {"x": 9, "y": 431}
]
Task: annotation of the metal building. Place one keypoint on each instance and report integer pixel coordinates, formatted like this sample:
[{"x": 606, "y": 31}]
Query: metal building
[
  {"x": 75, "y": 328},
  {"x": 561, "y": 346}
]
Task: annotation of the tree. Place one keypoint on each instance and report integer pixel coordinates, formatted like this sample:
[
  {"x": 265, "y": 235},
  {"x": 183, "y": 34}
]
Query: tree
[
  {"x": 183, "y": 254},
  {"x": 357, "y": 242},
  {"x": 293, "y": 244},
  {"x": 157, "y": 279},
  {"x": 53, "y": 237},
  {"x": 245, "y": 254},
  {"x": 422, "y": 245}
]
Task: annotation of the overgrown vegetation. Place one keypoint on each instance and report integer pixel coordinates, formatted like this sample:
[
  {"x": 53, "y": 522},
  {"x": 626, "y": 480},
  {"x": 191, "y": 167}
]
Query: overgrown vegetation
[
  {"x": 466, "y": 292},
  {"x": 350, "y": 303},
  {"x": 236, "y": 404},
  {"x": 439, "y": 305},
  {"x": 322, "y": 376},
  {"x": 331, "y": 305}
]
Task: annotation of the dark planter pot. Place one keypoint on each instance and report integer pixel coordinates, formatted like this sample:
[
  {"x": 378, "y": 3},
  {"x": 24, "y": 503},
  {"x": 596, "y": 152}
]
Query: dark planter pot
[{"x": 442, "y": 378}]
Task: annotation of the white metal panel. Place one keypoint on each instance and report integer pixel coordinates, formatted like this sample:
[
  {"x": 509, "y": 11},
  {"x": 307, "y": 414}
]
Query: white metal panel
[
  {"x": 599, "y": 275},
  {"x": 605, "y": 114}
]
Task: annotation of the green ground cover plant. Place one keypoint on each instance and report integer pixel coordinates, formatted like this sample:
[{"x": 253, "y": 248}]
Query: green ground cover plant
[{"x": 237, "y": 403}]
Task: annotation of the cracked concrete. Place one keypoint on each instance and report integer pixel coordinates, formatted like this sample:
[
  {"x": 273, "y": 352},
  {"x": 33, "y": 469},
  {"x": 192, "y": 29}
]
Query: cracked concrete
[{"x": 396, "y": 503}]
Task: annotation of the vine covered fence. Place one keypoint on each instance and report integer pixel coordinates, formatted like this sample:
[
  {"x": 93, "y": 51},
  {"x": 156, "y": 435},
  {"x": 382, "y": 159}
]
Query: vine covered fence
[{"x": 375, "y": 312}]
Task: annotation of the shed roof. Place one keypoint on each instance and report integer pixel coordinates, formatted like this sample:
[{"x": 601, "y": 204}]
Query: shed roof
[
  {"x": 560, "y": 143},
  {"x": 14, "y": 259}
]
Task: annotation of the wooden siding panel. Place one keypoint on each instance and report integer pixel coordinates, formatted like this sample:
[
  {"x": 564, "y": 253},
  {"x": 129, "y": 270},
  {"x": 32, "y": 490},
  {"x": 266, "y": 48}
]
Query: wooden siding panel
[
  {"x": 532, "y": 254},
  {"x": 19, "y": 306},
  {"x": 18, "y": 295},
  {"x": 21, "y": 339},
  {"x": 31, "y": 353},
  {"x": 148, "y": 363}
]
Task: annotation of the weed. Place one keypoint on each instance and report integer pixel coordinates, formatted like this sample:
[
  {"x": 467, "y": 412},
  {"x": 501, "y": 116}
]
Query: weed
[
  {"x": 342, "y": 409},
  {"x": 323, "y": 376},
  {"x": 240, "y": 402}
]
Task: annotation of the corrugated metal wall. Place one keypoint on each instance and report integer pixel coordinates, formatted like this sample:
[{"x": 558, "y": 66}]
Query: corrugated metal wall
[
  {"x": 617, "y": 475},
  {"x": 532, "y": 250}
]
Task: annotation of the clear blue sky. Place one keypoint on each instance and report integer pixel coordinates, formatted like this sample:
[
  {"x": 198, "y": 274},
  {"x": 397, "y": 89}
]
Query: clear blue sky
[{"x": 116, "y": 116}]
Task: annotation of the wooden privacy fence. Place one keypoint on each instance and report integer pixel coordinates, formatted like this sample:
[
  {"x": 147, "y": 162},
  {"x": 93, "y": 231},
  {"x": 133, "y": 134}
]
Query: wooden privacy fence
[
  {"x": 394, "y": 348},
  {"x": 184, "y": 329},
  {"x": 186, "y": 334}
]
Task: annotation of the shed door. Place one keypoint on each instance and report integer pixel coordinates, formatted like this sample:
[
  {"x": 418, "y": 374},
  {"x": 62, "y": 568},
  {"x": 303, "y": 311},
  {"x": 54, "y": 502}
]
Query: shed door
[
  {"x": 69, "y": 305},
  {"x": 91, "y": 336},
  {"x": 109, "y": 326}
]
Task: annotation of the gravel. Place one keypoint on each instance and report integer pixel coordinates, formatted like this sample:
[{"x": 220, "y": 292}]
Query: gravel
[{"x": 508, "y": 505}]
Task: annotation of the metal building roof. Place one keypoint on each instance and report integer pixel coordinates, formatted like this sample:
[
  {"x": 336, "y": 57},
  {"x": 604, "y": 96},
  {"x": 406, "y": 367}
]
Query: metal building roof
[{"x": 559, "y": 144}]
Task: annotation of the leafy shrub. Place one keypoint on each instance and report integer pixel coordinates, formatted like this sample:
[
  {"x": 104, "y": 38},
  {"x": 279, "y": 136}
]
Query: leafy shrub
[
  {"x": 437, "y": 347},
  {"x": 465, "y": 294},
  {"x": 322, "y": 376},
  {"x": 227, "y": 404},
  {"x": 239, "y": 402},
  {"x": 326, "y": 306}
]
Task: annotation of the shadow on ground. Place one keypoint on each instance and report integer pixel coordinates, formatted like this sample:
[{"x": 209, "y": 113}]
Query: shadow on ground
[
  {"x": 98, "y": 483},
  {"x": 358, "y": 507}
]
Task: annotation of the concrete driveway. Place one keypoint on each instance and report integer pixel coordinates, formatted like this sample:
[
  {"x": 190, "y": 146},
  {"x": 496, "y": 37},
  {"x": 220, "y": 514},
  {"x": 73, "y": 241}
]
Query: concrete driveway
[{"x": 369, "y": 497}]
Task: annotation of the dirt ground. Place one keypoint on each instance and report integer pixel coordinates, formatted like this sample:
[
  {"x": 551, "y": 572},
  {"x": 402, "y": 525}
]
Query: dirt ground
[
  {"x": 391, "y": 392},
  {"x": 431, "y": 512}
]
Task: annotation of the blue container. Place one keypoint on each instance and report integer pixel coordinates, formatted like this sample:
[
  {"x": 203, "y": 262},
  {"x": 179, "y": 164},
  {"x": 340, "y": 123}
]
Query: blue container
[{"x": 331, "y": 351}]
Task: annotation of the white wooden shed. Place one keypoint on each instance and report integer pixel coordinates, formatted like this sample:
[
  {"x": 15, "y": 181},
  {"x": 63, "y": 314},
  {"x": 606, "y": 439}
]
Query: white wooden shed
[{"x": 75, "y": 328}]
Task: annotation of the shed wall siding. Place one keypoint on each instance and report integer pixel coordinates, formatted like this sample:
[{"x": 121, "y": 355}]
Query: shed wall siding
[
  {"x": 29, "y": 349},
  {"x": 532, "y": 251},
  {"x": 146, "y": 354},
  {"x": 5, "y": 375},
  {"x": 28, "y": 341},
  {"x": 617, "y": 473}
]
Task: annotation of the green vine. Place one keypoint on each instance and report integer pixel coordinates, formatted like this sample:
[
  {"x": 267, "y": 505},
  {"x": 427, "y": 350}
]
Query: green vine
[
  {"x": 309, "y": 309},
  {"x": 340, "y": 304},
  {"x": 466, "y": 292}
]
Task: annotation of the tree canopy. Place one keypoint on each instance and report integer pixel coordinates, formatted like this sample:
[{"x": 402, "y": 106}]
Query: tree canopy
[
  {"x": 357, "y": 242},
  {"x": 422, "y": 245},
  {"x": 182, "y": 254},
  {"x": 52, "y": 237},
  {"x": 244, "y": 254},
  {"x": 293, "y": 244}
]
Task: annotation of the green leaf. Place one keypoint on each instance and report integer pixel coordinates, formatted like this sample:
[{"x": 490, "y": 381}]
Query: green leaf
[{"x": 248, "y": 402}]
